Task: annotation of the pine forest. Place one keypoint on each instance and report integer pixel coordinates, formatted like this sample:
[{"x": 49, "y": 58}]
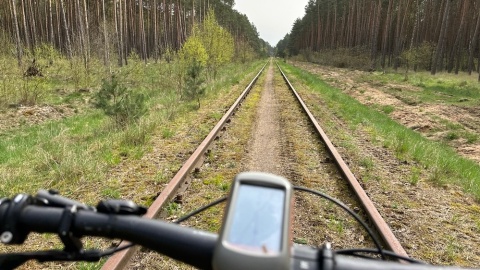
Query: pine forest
[
  {"x": 434, "y": 35},
  {"x": 109, "y": 29}
]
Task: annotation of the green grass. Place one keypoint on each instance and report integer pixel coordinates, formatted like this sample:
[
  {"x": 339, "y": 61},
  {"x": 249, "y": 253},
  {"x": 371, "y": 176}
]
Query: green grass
[
  {"x": 111, "y": 193},
  {"x": 387, "y": 109},
  {"x": 450, "y": 88},
  {"x": 456, "y": 131},
  {"x": 61, "y": 152},
  {"x": 442, "y": 162},
  {"x": 452, "y": 135},
  {"x": 415, "y": 175},
  {"x": 60, "y": 79},
  {"x": 301, "y": 241},
  {"x": 471, "y": 137},
  {"x": 167, "y": 133},
  {"x": 91, "y": 265},
  {"x": 218, "y": 181},
  {"x": 367, "y": 162},
  {"x": 173, "y": 208}
]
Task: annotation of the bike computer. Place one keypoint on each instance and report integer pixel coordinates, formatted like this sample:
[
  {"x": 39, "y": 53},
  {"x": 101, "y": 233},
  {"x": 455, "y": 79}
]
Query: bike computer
[{"x": 256, "y": 226}]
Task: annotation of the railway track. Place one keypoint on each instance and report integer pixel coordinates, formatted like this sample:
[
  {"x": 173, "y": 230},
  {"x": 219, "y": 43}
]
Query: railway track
[
  {"x": 285, "y": 154},
  {"x": 384, "y": 231}
]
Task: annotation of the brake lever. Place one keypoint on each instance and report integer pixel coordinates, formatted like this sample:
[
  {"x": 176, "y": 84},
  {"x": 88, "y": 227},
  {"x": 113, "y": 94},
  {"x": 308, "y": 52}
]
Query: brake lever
[
  {"x": 120, "y": 207},
  {"x": 52, "y": 198}
]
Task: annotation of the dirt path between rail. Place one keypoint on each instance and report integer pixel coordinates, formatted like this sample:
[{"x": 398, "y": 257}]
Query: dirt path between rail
[{"x": 264, "y": 149}]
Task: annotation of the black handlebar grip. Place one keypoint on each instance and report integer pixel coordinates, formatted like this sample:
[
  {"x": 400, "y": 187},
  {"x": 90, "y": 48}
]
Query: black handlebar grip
[{"x": 185, "y": 244}]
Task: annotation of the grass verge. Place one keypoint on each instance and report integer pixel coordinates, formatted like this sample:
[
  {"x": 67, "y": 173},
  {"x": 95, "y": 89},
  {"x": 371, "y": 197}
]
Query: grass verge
[
  {"x": 459, "y": 89},
  {"x": 74, "y": 154}
]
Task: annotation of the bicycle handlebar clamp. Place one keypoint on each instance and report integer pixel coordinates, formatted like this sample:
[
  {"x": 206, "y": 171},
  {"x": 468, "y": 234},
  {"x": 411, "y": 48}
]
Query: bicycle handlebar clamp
[{"x": 10, "y": 233}]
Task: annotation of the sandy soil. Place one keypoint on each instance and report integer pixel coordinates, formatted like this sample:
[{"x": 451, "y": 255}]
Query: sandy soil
[{"x": 33, "y": 115}]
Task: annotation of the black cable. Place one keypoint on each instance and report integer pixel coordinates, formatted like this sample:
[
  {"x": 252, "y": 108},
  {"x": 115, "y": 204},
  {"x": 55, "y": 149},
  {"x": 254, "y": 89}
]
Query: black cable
[
  {"x": 111, "y": 251},
  {"x": 354, "y": 252},
  {"x": 191, "y": 214},
  {"x": 199, "y": 210},
  {"x": 337, "y": 202},
  {"x": 344, "y": 207},
  {"x": 181, "y": 219}
]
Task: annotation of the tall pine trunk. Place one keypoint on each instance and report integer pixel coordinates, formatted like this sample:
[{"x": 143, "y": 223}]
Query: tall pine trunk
[
  {"x": 106, "y": 55},
  {"x": 472, "y": 45},
  {"x": 142, "y": 31},
  {"x": 67, "y": 31},
  {"x": 18, "y": 41},
  {"x": 386, "y": 33},
  {"x": 33, "y": 26},
  {"x": 81, "y": 28},
  {"x": 119, "y": 30},
  {"x": 155, "y": 30},
  {"x": 455, "y": 51},
  {"x": 50, "y": 13},
  {"x": 437, "y": 58},
  {"x": 25, "y": 27},
  {"x": 375, "y": 32},
  {"x": 87, "y": 29}
]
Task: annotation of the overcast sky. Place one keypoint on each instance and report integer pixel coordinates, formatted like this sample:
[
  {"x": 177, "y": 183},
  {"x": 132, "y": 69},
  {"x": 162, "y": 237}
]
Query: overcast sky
[{"x": 273, "y": 18}]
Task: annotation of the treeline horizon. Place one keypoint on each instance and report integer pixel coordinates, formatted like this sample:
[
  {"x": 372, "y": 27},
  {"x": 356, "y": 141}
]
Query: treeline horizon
[
  {"x": 113, "y": 29},
  {"x": 433, "y": 35}
]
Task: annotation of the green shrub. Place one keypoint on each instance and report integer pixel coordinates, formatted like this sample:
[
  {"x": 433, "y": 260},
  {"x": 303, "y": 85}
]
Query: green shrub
[
  {"x": 193, "y": 83},
  {"x": 120, "y": 103}
]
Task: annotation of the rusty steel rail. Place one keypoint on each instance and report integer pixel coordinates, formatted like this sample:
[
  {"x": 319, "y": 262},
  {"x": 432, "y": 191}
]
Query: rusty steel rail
[
  {"x": 120, "y": 259},
  {"x": 383, "y": 229}
]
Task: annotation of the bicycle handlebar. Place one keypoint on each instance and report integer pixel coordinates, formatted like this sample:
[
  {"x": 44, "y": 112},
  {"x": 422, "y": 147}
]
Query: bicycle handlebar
[
  {"x": 192, "y": 246},
  {"x": 181, "y": 243}
]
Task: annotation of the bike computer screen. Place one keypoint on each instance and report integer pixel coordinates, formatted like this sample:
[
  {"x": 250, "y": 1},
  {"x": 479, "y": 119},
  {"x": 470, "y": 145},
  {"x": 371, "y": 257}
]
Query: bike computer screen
[
  {"x": 258, "y": 219},
  {"x": 256, "y": 228}
]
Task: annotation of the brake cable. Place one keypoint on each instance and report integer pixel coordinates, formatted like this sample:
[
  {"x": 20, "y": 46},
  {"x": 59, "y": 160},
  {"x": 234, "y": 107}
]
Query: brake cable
[
  {"x": 355, "y": 216},
  {"x": 376, "y": 242}
]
